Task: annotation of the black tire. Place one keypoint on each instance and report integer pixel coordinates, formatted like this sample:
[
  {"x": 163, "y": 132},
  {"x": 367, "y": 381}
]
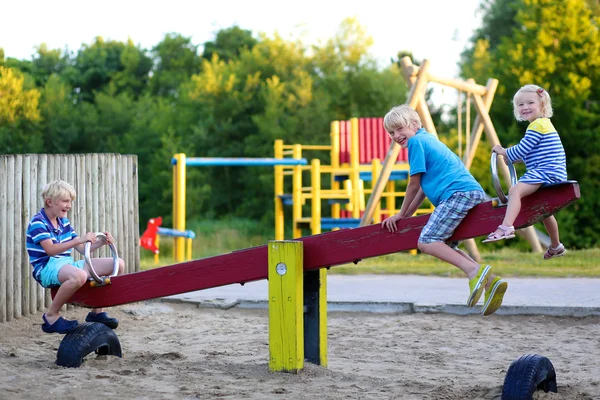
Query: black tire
[
  {"x": 527, "y": 374},
  {"x": 88, "y": 337}
]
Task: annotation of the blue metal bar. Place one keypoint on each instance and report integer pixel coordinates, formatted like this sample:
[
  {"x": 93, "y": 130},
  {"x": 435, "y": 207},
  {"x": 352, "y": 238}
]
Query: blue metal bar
[
  {"x": 240, "y": 162},
  {"x": 176, "y": 233}
]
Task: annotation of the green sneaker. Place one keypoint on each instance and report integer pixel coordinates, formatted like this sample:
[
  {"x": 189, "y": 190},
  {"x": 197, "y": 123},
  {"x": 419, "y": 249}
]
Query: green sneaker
[
  {"x": 477, "y": 284},
  {"x": 493, "y": 296}
]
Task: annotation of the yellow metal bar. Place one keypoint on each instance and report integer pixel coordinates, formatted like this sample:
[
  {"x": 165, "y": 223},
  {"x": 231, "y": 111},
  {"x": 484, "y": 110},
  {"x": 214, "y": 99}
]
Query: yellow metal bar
[
  {"x": 307, "y": 147},
  {"x": 323, "y": 317},
  {"x": 286, "y": 306},
  {"x": 189, "y": 248},
  {"x": 355, "y": 165},
  {"x": 157, "y": 255},
  {"x": 315, "y": 223},
  {"x": 335, "y": 163},
  {"x": 390, "y": 196},
  {"x": 316, "y": 147},
  {"x": 279, "y": 213},
  {"x": 175, "y": 202},
  {"x": 297, "y": 193},
  {"x": 179, "y": 218}
]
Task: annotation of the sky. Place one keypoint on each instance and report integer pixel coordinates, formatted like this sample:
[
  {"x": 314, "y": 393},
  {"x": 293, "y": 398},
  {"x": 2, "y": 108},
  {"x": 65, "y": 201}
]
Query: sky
[{"x": 437, "y": 30}]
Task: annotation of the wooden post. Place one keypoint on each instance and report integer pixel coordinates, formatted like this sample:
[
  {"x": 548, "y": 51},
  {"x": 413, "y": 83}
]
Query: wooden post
[{"x": 286, "y": 316}]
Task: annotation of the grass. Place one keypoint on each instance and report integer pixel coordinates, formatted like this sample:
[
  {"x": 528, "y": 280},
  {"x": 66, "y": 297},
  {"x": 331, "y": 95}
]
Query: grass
[{"x": 215, "y": 238}]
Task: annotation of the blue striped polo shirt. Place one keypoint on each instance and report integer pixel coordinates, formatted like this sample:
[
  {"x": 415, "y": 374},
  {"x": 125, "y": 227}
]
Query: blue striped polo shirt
[
  {"x": 40, "y": 228},
  {"x": 542, "y": 151}
]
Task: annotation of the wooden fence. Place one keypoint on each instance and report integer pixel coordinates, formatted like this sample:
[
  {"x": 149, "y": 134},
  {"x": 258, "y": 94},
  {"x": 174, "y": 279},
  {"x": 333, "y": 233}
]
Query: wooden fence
[{"x": 107, "y": 200}]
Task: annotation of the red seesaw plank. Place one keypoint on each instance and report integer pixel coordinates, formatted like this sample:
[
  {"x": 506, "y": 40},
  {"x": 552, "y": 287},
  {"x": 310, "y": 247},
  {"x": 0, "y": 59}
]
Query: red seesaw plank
[{"x": 323, "y": 250}]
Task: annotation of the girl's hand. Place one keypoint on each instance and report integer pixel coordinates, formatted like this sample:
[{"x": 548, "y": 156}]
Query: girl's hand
[
  {"x": 390, "y": 223},
  {"x": 498, "y": 149}
]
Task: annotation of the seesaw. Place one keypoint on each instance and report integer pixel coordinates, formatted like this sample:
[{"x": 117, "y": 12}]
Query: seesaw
[
  {"x": 320, "y": 251},
  {"x": 309, "y": 256}
]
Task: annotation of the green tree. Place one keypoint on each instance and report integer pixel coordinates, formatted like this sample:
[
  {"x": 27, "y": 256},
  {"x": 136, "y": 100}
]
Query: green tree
[
  {"x": 229, "y": 43},
  {"x": 176, "y": 60},
  {"x": 19, "y": 113}
]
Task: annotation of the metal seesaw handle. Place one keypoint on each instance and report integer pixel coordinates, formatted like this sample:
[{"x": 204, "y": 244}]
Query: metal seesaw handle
[
  {"x": 496, "y": 181},
  {"x": 97, "y": 279}
]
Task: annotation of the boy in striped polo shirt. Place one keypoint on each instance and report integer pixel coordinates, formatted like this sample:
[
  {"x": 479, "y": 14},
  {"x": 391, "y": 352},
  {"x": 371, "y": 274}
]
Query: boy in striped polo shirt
[
  {"x": 50, "y": 239},
  {"x": 544, "y": 156}
]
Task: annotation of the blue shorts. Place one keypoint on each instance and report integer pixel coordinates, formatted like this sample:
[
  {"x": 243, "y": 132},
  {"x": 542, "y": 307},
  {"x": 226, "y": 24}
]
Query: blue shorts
[
  {"x": 49, "y": 274},
  {"x": 449, "y": 214}
]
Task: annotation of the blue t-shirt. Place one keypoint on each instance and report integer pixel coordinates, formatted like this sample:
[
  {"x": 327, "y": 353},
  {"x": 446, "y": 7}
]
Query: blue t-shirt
[
  {"x": 40, "y": 228},
  {"x": 443, "y": 174}
]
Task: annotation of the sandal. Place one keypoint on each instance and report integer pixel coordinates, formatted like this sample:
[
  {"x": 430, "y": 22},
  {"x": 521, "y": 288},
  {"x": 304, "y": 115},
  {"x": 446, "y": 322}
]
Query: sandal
[
  {"x": 508, "y": 232},
  {"x": 102, "y": 318},
  {"x": 61, "y": 325},
  {"x": 559, "y": 251}
]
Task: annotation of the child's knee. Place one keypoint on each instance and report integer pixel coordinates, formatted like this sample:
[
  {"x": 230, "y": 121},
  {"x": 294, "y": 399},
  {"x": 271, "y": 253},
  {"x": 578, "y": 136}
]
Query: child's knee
[
  {"x": 79, "y": 277},
  {"x": 121, "y": 266},
  {"x": 514, "y": 192},
  {"x": 424, "y": 247}
]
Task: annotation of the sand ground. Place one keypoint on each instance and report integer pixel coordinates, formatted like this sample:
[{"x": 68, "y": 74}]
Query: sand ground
[{"x": 180, "y": 351}]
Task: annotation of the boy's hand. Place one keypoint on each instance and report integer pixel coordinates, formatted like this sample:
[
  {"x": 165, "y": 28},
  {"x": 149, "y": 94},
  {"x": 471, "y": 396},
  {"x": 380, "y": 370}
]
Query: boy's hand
[
  {"x": 390, "y": 223},
  {"x": 89, "y": 237},
  {"x": 109, "y": 238}
]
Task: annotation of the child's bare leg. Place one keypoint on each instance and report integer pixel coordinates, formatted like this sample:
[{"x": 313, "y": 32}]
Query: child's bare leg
[
  {"x": 552, "y": 228},
  {"x": 468, "y": 257},
  {"x": 457, "y": 258},
  {"x": 71, "y": 278},
  {"x": 515, "y": 194},
  {"x": 104, "y": 267}
]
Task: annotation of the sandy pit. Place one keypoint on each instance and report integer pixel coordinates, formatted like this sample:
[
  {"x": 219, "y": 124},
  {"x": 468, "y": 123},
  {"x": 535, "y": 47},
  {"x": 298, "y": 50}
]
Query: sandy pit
[{"x": 180, "y": 351}]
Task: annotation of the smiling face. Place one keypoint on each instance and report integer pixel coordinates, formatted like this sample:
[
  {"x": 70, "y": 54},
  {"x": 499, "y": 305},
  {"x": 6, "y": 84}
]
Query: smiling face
[
  {"x": 401, "y": 135},
  {"x": 58, "y": 207},
  {"x": 528, "y": 106}
]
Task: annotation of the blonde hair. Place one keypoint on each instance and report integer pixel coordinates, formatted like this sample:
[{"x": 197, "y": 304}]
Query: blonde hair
[
  {"x": 545, "y": 101},
  {"x": 57, "y": 189},
  {"x": 401, "y": 117}
]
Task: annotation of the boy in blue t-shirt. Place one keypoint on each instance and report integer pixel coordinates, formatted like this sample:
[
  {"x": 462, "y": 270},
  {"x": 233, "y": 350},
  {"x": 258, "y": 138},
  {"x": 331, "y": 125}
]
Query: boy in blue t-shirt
[
  {"x": 438, "y": 174},
  {"x": 50, "y": 239}
]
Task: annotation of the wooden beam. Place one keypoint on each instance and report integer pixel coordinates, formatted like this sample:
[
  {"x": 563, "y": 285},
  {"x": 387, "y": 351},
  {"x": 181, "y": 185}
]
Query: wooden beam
[
  {"x": 323, "y": 250},
  {"x": 492, "y": 85},
  {"x": 453, "y": 83},
  {"x": 411, "y": 77}
]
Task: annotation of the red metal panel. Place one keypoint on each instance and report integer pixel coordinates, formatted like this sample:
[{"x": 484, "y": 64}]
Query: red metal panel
[
  {"x": 324, "y": 250},
  {"x": 344, "y": 142},
  {"x": 364, "y": 155},
  {"x": 374, "y": 139}
]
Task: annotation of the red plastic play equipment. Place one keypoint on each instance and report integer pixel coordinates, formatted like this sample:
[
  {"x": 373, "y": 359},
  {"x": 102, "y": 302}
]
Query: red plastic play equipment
[{"x": 149, "y": 238}]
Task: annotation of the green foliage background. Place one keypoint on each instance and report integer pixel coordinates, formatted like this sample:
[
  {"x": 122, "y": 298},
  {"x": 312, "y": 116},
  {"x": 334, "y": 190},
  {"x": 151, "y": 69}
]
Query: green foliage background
[{"x": 234, "y": 95}]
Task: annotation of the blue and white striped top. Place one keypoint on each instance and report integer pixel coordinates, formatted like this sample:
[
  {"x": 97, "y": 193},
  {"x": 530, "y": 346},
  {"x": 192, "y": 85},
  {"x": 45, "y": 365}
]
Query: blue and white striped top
[
  {"x": 542, "y": 152},
  {"x": 40, "y": 228}
]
